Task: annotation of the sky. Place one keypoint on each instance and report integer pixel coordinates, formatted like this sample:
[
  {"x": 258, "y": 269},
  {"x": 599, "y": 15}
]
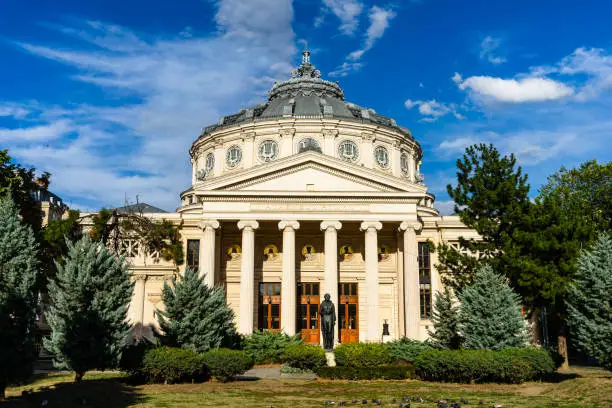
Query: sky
[{"x": 108, "y": 95}]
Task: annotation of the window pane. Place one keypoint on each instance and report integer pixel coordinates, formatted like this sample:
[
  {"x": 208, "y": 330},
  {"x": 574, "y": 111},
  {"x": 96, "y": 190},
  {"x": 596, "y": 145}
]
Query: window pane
[
  {"x": 315, "y": 289},
  {"x": 264, "y": 317},
  {"x": 342, "y": 311},
  {"x": 270, "y": 288},
  {"x": 308, "y": 289},
  {"x": 275, "y": 316},
  {"x": 303, "y": 317},
  {"x": 277, "y": 289},
  {"x": 314, "y": 317},
  {"x": 193, "y": 253},
  {"x": 352, "y": 316}
]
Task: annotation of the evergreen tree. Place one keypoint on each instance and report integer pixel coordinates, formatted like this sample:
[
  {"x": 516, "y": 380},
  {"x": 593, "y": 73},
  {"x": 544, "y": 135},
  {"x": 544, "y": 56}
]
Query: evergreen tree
[
  {"x": 88, "y": 313},
  {"x": 196, "y": 317},
  {"x": 445, "y": 320},
  {"x": 590, "y": 302},
  {"x": 19, "y": 268},
  {"x": 490, "y": 313}
]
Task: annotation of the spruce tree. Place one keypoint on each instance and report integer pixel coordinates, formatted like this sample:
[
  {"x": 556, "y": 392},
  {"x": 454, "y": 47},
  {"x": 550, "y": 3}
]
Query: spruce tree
[
  {"x": 590, "y": 302},
  {"x": 445, "y": 320},
  {"x": 88, "y": 313},
  {"x": 196, "y": 317},
  {"x": 490, "y": 313},
  {"x": 19, "y": 268}
]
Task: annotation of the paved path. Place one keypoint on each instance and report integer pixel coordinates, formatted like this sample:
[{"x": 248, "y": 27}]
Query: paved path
[{"x": 259, "y": 373}]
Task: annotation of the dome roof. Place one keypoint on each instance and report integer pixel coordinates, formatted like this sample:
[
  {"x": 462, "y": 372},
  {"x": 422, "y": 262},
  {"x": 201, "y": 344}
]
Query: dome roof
[{"x": 306, "y": 95}]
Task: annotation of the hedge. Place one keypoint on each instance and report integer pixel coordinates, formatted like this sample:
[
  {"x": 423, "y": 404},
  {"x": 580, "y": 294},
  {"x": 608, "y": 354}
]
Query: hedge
[
  {"x": 484, "y": 366},
  {"x": 226, "y": 364},
  {"x": 402, "y": 372},
  {"x": 304, "y": 356},
  {"x": 173, "y": 365},
  {"x": 362, "y": 355},
  {"x": 406, "y": 350},
  {"x": 267, "y": 346}
]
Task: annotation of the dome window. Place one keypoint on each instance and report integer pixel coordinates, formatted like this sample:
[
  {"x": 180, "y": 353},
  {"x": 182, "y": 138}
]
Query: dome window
[
  {"x": 381, "y": 155},
  {"x": 268, "y": 150},
  {"x": 404, "y": 163},
  {"x": 309, "y": 144},
  {"x": 348, "y": 150},
  {"x": 233, "y": 156}
]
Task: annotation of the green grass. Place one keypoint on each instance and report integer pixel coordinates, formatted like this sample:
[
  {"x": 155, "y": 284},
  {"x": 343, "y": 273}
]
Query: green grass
[{"x": 581, "y": 388}]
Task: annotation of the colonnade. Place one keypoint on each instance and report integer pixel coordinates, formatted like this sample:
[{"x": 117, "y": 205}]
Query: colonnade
[{"x": 330, "y": 229}]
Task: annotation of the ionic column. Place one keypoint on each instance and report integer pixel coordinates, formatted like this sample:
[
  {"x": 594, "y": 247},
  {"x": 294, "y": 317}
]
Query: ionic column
[
  {"x": 289, "y": 284},
  {"x": 247, "y": 276},
  {"x": 371, "y": 229},
  {"x": 139, "y": 298},
  {"x": 412, "y": 312},
  {"x": 330, "y": 276},
  {"x": 207, "y": 251}
]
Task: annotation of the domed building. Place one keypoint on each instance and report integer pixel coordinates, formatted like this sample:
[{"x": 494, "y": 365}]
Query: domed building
[{"x": 303, "y": 195}]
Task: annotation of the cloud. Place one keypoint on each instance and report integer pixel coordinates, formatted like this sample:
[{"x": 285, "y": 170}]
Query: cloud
[
  {"x": 345, "y": 69},
  {"x": 446, "y": 207},
  {"x": 432, "y": 110},
  {"x": 529, "y": 89},
  {"x": 163, "y": 88},
  {"x": 41, "y": 133},
  {"x": 13, "y": 110},
  {"x": 348, "y": 11},
  {"x": 488, "y": 46},
  {"x": 594, "y": 63}
]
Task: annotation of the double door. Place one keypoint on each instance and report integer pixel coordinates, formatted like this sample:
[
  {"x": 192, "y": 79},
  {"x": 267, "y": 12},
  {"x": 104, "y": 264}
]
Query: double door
[
  {"x": 270, "y": 306},
  {"x": 348, "y": 312},
  {"x": 308, "y": 313}
]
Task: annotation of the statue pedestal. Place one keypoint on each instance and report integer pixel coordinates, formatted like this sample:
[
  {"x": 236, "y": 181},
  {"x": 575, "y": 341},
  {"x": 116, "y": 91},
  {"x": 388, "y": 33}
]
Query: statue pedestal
[
  {"x": 331, "y": 359},
  {"x": 386, "y": 338}
]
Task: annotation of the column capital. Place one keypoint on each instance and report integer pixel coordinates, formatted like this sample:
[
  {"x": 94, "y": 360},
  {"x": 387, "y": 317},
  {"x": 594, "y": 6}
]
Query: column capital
[
  {"x": 288, "y": 224},
  {"x": 366, "y": 225},
  {"x": 251, "y": 224},
  {"x": 415, "y": 225},
  {"x": 214, "y": 224},
  {"x": 331, "y": 224},
  {"x": 140, "y": 277}
]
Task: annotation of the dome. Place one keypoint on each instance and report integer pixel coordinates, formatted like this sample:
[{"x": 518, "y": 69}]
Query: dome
[{"x": 306, "y": 95}]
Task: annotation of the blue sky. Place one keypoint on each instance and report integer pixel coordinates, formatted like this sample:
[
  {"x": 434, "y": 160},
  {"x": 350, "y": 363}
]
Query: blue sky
[{"x": 109, "y": 95}]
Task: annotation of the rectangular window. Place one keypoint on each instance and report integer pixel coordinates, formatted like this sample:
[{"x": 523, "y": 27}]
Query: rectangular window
[
  {"x": 193, "y": 253},
  {"x": 425, "y": 280}
]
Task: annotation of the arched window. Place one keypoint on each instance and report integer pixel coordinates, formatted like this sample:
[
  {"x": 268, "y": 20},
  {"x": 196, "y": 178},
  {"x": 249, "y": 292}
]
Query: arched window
[
  {"x": 308, "y": 144},
  {"x": 381, "y": 155}
]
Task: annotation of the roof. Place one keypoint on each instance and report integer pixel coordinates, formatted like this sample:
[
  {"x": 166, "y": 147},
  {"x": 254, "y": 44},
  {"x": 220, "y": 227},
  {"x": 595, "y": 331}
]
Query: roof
[
  {"x": 139, "y": 208},
  {"x": 306, "y": 95}
]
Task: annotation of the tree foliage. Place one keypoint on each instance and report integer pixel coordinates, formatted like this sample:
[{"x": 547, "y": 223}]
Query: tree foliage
[
  {"x": 19, "y": 268},
  {"x": 89, "y": 301},
  {"x": 197, "y": 317},
  {"x": 590, "y": 302},
  {"x": 490, "y": 314},
  {"x": 445, "y": 321}
]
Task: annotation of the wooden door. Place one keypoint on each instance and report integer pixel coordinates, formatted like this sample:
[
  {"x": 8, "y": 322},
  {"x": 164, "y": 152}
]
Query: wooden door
[
  {"x": 270, "y": 306},
  {"x": 348, "y": 312},
  {"x": 308, "y": 313}
]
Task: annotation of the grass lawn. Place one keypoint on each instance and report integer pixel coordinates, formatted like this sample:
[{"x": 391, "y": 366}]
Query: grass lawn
[{"x": 580, "y": 388}]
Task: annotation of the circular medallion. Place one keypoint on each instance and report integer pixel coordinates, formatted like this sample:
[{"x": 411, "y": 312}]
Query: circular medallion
[
  {"x": 308, "y": 252},
  {"x": 233, "y": 252},
  {"x": 268, "y": 150},
  {"x": 346, "y": 251},
  {"x": 270, "y": 252},
  {"x": 381, "y": 155},
  {"x": 348, "y": 150},
  {"x": 384, "y": 253},
  {"x": 233, "y": 157}
]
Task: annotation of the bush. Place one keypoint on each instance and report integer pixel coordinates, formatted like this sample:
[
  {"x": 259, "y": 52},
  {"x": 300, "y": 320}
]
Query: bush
[
  {"x": 362, "y": 355},
  {"x": 226, "y": 364},
  {"x": 132, "y": 356},
  {"x": 173, "y": 365},
  {"x": 483, "y": 366},
  {"x": 366, "y": 373},
  {"x": 304, "y": 356},
  {"x": 267, "y": 346},
  {"x": 406, "y": 350}
]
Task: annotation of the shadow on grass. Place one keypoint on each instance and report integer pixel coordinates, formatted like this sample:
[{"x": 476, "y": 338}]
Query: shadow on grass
[
  {"x": 558, "y": 377},
  {"x": 88, "y": 393}
]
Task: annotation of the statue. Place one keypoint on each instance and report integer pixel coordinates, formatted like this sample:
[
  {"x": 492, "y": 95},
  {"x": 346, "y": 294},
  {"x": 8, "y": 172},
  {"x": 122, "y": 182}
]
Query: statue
[{"x": 327, "y": 312}]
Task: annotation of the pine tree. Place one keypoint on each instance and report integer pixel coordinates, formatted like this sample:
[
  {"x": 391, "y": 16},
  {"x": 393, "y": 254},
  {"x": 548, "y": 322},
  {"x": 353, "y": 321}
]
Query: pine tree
[
  {"x": 196, "y": 317},
  {"x": 445, "y": 320},
  {"x": 88, "y": 313},
  {"x": 490, "y": 313},
  {"x": 590, "y": 302},
  {"x": 19, "y": 268}
]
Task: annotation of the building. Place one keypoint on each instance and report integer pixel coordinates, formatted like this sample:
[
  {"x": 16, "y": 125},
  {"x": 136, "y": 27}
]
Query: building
[
  {"x": 52, "y": 206},
  {"x": 303, "y": 195}
]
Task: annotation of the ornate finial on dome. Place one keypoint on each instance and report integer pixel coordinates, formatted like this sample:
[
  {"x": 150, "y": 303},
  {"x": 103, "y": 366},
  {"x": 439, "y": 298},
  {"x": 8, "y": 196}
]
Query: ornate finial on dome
[
  {"x": 306, "y": 69},
  {"x": 305, "y": 54}
]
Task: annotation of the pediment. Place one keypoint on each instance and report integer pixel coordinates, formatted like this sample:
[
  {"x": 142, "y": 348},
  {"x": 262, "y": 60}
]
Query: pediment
[{"x": 309, "y": 172}]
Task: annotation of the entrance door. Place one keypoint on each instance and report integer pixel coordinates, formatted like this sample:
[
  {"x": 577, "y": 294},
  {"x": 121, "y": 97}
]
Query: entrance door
[
  {"x": 308, "y": 315},
  {"x": 269, "y": 306},
  {"x": 348, "y": 312}
]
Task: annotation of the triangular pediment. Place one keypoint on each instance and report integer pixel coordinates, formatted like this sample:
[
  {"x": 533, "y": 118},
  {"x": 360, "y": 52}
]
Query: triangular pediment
[{"x": 309, "y": 172}]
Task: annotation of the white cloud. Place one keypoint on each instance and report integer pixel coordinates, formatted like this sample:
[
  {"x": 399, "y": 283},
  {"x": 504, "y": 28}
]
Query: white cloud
[
  {"x": 594, "y": 63},
  {"x": 380, "y": 19},
  {"x": 345, "y": 69},
  {"x": 13, "y": 110},
  {"x": 530, "y": 89},
  {"x": 488, "y": 46},
  {"x": 433, "y": 109},
  {"x": 181, "y": 85},
  {"x": 40, "y": 133},
  {"x": 348, "y": 11}
]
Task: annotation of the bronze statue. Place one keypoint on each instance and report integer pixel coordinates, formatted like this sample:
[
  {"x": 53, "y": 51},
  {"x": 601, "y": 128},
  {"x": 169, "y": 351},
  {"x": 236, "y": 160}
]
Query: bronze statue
[{"x": 327, "y": 312}]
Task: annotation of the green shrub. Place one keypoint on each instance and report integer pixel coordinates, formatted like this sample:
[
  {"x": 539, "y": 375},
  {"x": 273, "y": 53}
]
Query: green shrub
[
  {"x": 173, "y": 365},
  {"x": 132, "y": 356},
  {"x": 362, "y": 355},
  {"x": 267, "y": 346},
  {"x": 483, "y": 366},
  {"x": 402, "y": 372},
  {"x": 304, "y": 356},
  {"x": 226, "y": 364},
  {"x": 406, "y": 350}
]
